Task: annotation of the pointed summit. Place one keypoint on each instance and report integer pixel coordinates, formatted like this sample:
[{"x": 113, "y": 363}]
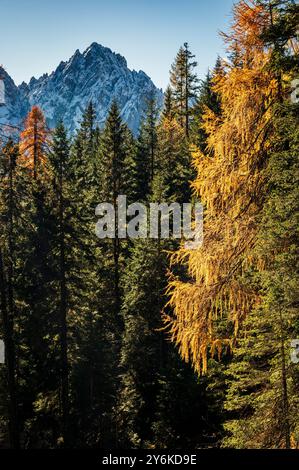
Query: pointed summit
[{"x": 98, "y": 75}]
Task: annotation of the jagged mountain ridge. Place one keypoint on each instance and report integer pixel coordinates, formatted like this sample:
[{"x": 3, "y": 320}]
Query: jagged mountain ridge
[{"x": 98, "y": 75}]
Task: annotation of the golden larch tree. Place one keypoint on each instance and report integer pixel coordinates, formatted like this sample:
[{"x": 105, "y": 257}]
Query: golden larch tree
[
  {"x": 230, "y": 184},
  {"x": 33, "y": 141}
]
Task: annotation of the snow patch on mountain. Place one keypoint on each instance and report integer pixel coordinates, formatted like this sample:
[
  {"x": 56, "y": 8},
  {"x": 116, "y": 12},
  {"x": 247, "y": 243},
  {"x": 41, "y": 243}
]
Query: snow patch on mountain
[{"x": 98, "y": 75}]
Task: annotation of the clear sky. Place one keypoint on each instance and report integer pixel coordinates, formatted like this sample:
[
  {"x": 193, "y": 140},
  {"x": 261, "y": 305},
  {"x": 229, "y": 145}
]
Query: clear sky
[{"x": 35, "y": 35}]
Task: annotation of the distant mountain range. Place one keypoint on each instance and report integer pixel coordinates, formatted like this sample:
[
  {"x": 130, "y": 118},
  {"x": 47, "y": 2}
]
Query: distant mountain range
[{"x": 98, "y": 75}]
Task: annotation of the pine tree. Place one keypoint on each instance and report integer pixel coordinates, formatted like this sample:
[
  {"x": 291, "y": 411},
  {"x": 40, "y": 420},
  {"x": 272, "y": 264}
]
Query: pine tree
[
  {"x": 141, "y": 352},
  {"x": 146, "y": 416},
  {"x": 113, "y": 183},
  {"x": 85, "y": 274},
  {"x": 168, "y": 109},
  {"x": 59, "y": 161},
  {"x": 150, "y": 369},
  {"x": 115, "y": 161},
  {"x": 184, "y": 86},
  {"x": 8, "y": 196},
  {"x": 36, "y": 291},
  {"x": 146, "y": 154},
  {"x": 173, "y": 161},
  {"x": 208, "y": 99}
]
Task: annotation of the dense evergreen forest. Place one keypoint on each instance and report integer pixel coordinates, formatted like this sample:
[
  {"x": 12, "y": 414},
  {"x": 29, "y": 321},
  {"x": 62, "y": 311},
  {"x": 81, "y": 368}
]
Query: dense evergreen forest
[{"x": 144, "y": 343}]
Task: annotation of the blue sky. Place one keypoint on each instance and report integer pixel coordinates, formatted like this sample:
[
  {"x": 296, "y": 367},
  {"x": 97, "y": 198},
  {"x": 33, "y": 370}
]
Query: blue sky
[{"x": 36, "y": 35}]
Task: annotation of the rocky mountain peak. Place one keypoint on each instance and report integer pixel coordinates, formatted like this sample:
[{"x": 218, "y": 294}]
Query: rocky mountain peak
[{"x": 97, "y": 74}]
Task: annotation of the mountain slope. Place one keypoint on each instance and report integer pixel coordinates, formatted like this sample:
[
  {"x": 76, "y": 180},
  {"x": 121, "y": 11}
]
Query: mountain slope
[
  {"x": 97, "y": 75},
  {"x": 16, "y": 105}
]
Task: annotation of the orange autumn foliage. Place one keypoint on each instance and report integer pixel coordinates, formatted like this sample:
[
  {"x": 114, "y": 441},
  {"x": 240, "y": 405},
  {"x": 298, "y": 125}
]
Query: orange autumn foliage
[
  {"x": 230, "y": 183},
  {"x": 33, "y": 141}
]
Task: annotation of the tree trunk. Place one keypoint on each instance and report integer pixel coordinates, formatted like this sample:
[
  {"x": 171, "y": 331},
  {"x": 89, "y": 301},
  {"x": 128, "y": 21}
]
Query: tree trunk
[
  {"x": 63, "y": 319},
  {"x": 35, "y": 151},
  {"x": 116, "y": 263}
]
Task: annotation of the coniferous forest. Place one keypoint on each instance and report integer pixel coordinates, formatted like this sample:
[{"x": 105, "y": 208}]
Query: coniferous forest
[{"x": 144, "y": 343}]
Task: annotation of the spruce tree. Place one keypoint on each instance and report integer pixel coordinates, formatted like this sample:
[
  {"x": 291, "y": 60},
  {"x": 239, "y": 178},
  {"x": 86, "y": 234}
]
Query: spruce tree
[
  {"x": 207, "y": 99},
  {"x": 8, "y": 203},
  {"x": 184, "y": 83},
  {"x": 173, "y": 162},
  {"x": 113, "y": 152},
  {"x": 59, "y": 161},
  {"x": 146, "y": 154},
  {"x": 168, "y": 108}
]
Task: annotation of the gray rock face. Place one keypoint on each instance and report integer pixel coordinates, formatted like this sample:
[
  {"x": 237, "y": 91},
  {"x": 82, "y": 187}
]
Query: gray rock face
[
  {"x": 16, "y": 105},
  {"x": 98, "y": 75}
]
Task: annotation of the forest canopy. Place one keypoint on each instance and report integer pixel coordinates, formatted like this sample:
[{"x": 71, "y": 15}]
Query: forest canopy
[{"x": 144, "y": 342}]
